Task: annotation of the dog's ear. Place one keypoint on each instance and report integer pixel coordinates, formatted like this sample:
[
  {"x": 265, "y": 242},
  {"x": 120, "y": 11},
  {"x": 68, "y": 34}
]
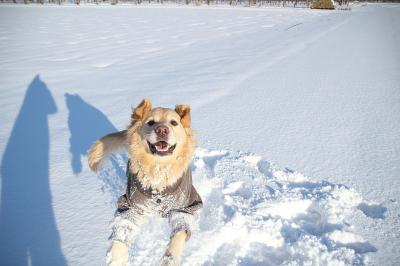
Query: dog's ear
[
  {"x": 183, "y": 111},
  {"x": 141, "y": 111}
]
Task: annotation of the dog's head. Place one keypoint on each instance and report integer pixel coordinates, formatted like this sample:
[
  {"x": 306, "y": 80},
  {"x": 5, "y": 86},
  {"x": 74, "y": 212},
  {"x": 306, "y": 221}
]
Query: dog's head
[
  {"x": 160, "y": 140},
  {"x": 162, "y": 129}
]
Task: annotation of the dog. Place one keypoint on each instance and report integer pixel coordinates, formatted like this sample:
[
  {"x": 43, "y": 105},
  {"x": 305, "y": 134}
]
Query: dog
[{"x": 160, "y": 145}]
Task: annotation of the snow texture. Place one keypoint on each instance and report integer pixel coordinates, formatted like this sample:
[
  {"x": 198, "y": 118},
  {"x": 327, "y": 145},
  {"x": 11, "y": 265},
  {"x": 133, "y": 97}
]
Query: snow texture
[
  {"x": 255, "y": 214},
  {"x": 314, "y": 91}
]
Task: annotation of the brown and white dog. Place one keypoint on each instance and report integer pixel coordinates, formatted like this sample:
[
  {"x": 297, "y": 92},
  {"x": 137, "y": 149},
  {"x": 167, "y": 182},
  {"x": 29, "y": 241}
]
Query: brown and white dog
[{"x": 160, "y": 146}]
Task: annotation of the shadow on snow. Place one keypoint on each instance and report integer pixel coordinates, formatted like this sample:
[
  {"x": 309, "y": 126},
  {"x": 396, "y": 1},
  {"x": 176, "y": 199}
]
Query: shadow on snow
[
  {"x": 87, "y": 124},
  {"x": 28, "y": 232}
]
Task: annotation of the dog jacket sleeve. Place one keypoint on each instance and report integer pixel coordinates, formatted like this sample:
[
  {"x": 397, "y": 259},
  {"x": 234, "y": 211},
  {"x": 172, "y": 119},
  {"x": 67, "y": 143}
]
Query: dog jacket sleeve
[
  {"x": 180, "y": 203},
  {"x": 184, "y": 216}
]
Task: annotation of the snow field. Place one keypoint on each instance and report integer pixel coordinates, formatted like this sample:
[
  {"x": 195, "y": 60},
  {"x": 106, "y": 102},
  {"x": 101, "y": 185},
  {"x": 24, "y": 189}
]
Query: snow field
[
  {"x": 258, "y": 80},
  {"x": 256, "y": 214}
]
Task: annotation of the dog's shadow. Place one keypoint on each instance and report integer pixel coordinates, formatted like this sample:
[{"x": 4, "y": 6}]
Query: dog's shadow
[
  {"x": 28, "y": 231},
  {"x": 87, "y": 124}
]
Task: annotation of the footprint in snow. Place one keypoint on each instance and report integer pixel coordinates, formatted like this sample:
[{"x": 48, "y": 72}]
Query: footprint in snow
[
  {"x": 256, "y": 214},
  {"x": 375, "y": 211}
]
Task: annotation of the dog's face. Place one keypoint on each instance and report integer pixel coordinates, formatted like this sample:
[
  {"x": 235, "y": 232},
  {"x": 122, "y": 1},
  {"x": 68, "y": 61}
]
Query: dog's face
[
  {"x": 163, "y": 131},
  {"x": 161, "y": 143}
]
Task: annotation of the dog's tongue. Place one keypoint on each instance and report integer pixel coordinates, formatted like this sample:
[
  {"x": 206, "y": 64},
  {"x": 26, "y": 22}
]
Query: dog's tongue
[{"x": 161, "y": 145}]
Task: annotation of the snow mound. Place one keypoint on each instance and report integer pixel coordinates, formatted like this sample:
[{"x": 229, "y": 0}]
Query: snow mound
[{"x": 256, "y": 214}]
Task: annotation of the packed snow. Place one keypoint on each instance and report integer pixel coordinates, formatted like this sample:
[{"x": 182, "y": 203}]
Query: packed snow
[{"x": 297, "y": 113}]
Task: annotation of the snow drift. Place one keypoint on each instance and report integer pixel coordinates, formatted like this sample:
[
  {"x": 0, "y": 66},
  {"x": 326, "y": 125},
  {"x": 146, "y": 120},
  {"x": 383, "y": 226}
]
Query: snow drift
[
  {"x": 322, "y": 91},
  {"x": 256, "y": 214}
]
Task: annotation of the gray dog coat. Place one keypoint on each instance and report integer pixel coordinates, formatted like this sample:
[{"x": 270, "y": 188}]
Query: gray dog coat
[{"x": 180, "y": 203}]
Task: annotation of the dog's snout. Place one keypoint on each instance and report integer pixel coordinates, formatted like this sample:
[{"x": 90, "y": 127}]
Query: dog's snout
[{"x": 162, "y": 131}]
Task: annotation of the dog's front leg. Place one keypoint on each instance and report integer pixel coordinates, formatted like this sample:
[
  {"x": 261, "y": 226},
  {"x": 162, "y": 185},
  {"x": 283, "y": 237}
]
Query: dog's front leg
[
  {"x": 103, "y": 147},
  {"x": 124, "y": 226},
  {"x": 118, "y": 254},
  {"x": 172, "y": 256}
]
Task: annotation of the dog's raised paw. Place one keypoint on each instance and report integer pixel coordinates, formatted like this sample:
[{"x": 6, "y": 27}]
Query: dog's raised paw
[{"x": 95, "y": 156}]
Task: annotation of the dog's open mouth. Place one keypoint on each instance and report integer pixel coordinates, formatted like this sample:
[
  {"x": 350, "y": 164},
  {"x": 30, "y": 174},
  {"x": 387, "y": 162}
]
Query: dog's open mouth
[{"x": 161, "y": 148}]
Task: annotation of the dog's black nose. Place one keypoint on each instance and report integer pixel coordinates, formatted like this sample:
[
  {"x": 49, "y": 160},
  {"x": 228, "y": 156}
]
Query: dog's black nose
[{"x": 162, "y": 131}]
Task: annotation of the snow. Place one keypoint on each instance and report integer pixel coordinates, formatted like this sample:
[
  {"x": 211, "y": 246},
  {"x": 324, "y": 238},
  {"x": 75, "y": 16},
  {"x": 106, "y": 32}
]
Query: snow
[
  {"x": 297, "y": 113},
  {"x": 264, "y": 218}
]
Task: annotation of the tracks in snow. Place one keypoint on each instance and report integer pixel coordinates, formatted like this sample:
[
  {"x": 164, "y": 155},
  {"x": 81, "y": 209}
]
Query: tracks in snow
[{"x": 255, "y": 213}]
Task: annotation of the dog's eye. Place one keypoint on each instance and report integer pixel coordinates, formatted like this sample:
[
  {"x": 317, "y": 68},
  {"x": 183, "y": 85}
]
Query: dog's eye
[
  {"x": 151, "y": 122},
  {"x": 174, "y": 123}
]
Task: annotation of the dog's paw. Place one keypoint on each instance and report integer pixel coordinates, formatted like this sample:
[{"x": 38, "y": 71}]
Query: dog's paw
[
  {"x": 117, "y": 255},
  {"x": 168, "y": 260},
  {"x": 95, "y": 156}
]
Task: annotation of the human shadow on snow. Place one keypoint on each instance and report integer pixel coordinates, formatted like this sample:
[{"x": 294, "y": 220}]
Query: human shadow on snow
[{"x": 28, "y": 231}]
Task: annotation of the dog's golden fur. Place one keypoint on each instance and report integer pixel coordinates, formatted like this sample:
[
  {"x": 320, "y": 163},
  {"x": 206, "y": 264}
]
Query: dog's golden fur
[
  {"x": 156, "y": 172},
  {"x": 153, "y": 170},
  {"x": 105, "y": 146}
]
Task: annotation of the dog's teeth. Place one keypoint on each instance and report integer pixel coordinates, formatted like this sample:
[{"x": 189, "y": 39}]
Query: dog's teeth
[{"x": 162, "y": 149}]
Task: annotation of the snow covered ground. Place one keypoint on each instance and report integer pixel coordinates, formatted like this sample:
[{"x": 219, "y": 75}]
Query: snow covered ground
[{"x": 275, "y": 92}]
